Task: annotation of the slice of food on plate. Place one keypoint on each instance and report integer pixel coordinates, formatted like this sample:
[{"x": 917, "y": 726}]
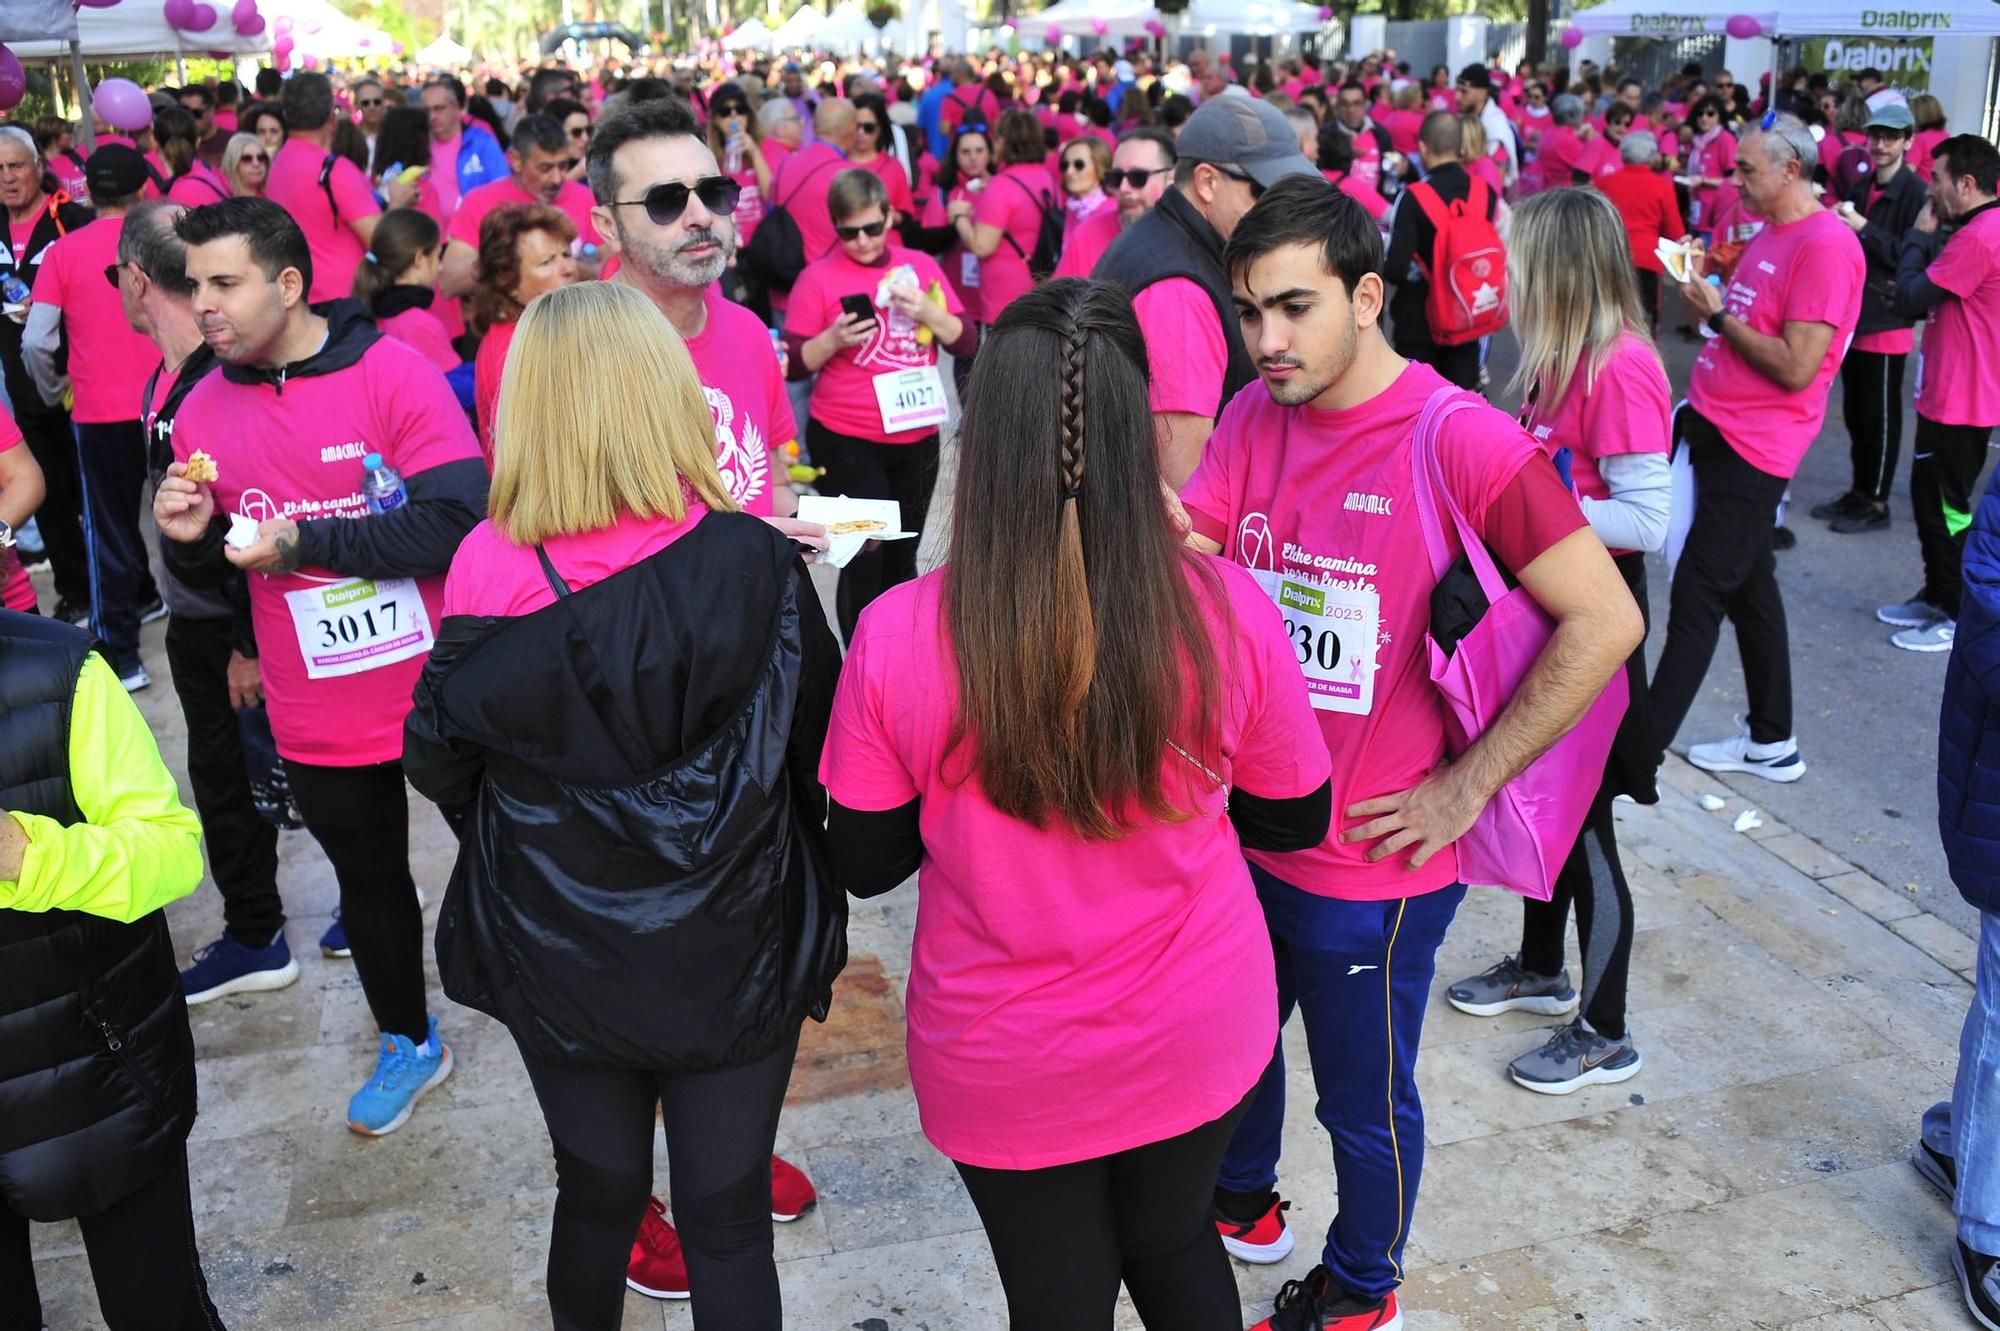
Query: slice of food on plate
[
  {"x": 1681, "y": 259},
  {"x": 854, "y": 525}
]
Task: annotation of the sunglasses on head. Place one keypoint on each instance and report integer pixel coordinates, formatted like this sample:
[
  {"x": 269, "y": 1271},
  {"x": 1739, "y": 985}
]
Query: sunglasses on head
[
  {"x": 1136, "y": 176},
  {"x": 868, "y": 229},
  {"x": 664, "y": 203}
]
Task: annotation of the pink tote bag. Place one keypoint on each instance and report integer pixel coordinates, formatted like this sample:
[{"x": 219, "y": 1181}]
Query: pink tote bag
[{"x": 1525, "y": 833}]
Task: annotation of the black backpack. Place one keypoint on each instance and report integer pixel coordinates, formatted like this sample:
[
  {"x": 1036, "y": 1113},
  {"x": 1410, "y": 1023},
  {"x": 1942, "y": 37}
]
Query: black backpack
[
  {"x": 776, "y": 254},
  {"x": 1048, "y": 237}
]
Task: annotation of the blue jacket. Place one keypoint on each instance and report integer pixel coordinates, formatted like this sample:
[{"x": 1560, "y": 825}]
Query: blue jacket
[
  {"x": 1969, "y": 727},
  {"x": 481, "y": 159}
]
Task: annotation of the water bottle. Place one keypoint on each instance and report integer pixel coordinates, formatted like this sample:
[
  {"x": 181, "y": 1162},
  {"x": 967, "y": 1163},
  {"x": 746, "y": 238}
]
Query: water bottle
[
  {"x": 14, "y": 289},
  {"x": 381, "y": 485}
]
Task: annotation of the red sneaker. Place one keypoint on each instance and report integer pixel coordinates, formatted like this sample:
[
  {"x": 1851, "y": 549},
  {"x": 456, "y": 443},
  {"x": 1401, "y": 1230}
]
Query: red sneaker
[
  {"x": 792, "y": 1192},
  {"x": 1265, "y": 1240},
  {"x": 1317, "y": 1304},
  {"x": 657, "y": 1268}
]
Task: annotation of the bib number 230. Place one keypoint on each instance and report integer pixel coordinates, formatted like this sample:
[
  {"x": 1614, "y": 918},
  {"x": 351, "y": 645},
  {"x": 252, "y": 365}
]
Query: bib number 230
[{"x": 1333, "y": 632}]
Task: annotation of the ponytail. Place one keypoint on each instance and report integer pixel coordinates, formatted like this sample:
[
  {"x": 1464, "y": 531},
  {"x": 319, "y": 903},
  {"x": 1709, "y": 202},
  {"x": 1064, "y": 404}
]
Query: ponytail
[{"x": 401, "y": 238}]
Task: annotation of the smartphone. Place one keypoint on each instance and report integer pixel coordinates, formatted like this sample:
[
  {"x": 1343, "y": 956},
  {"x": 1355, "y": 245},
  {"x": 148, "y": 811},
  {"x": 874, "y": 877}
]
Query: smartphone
[{"x": 862, "y": 308}]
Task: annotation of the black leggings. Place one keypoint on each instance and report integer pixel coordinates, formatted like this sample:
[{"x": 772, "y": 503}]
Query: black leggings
[
  {"x": 1871, "y": 387},
  {"x": 720, "y": 1127},
  {"x": 1594, "y": 879},
  {"x": 1065, "y": 1236},
  {"x": 142, "y": 1257},
  {"x": 361, "y": 818},
  {"x": 866, "y": 469}
]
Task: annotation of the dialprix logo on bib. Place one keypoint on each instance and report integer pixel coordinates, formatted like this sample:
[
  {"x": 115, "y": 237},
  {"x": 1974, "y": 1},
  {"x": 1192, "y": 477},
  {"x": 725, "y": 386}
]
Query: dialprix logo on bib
[{"x": 1298, "y": 596}]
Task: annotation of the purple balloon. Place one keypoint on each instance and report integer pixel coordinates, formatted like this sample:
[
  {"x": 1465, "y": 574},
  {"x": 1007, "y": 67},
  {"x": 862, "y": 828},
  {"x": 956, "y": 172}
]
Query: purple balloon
[
  {"x": 13, "y": 80},
  {"x": 203, "y": 19},
  {"x": 122, "y": 104},
  {"x": 251, "y": 26},
  {"x": 1571, "y": 39},
  {"x": 1743, "y": 27},
  {"x": 243, "y": 11},
  {"x": 178, "y": 13},
  {"x": 97, "y": 4}
]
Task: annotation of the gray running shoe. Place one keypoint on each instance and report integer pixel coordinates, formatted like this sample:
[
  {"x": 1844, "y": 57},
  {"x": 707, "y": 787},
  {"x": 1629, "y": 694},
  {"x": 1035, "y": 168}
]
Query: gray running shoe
[
  {"x": 1911, "y": 614},
  {"x": 1935, "y": 636},
  {"x": 1936, "y": 1166},
  {"x": 1507, "y": 986},
  {"x": 1575, "y": 1057}
]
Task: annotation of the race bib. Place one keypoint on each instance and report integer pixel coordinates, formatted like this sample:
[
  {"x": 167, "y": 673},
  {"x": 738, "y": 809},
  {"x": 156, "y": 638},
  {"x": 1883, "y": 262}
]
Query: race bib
[
  {"x": 1333, "y": 632},
  {"x": 911, "y": 399},
  {"x": 359, "y": 624}
]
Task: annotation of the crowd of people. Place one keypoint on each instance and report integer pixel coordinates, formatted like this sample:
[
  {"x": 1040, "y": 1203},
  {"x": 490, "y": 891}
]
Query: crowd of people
[{"x": 1231, "y": 511}]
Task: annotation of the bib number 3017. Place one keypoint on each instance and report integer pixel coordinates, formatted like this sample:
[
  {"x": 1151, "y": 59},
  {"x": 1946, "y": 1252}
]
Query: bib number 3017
[
  {"x": 1333, "y": 633},
  {"x": 358, "y": 624}
]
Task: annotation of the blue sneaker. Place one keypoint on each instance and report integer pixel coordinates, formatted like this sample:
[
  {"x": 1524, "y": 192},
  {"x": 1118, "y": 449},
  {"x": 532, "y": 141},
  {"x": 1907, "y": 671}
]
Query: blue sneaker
[
  {"x": 227, "y": 966},
  {"x": 402, "y": 1075},
  {"x": 333, "y": 943}
]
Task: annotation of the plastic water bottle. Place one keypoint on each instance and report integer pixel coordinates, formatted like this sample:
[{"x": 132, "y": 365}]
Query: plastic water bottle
[
  {"x": 381, "y": 485},
  {"x": 14, "y": 289}
]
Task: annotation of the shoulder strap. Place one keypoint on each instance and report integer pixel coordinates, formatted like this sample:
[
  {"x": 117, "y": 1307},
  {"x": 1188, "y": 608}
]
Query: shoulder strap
[
  {"x": 152, "y": 382},
  {"x": 326, "y": 183},
  {"x": 786, "y": 202},
  {"x": 1430, "y": 201},
  {"x": 1041, "y": 201},
  {"x": 1478, "y": 199},
  {"x": 1435, "y": 499},
  {"x": 556, "y": 584}
]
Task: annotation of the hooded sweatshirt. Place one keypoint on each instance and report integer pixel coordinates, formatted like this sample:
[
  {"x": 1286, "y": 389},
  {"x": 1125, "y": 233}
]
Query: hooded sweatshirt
[{"x": 344, "y": 636}]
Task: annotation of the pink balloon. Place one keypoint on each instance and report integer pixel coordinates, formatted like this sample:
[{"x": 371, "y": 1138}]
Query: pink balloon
[
  {"x": 243, "y": 11},
  {"x": 97, "y": 4},
  {"x": 252, "y": 26},
  {"x": 1099, "y": 26},
  {"x": 311, "y": 61},
  {"x": 1053, "y": 36},
  {"x": 284, "y": 24},
  {"x": 1743, "y": 27},
  {"x": 282, "y": 63},
  {"x": 283, "y": 48},
  {"x": 203, "y": 19},
  {"x": 1571, "y": 38},
  {"x": 122, "y": 104},
  {"x": 1155, "y": 28},
  {"x": 178, "y": 13},
  {"x": 13, "y": 80},
  {"x": 1326, "y": 13}
]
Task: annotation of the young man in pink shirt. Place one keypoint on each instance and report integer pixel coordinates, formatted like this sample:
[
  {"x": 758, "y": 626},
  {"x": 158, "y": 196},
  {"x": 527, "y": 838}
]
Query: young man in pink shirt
[
  {"x": 540, "y": 158},
  {"x": 667, "y": 211},
  {"x": 349, "y": 588},
  {"x": 1950, "y": 277},
  {"x": 1307, "y": 482},
  {"x": 1755, "y": 403}
]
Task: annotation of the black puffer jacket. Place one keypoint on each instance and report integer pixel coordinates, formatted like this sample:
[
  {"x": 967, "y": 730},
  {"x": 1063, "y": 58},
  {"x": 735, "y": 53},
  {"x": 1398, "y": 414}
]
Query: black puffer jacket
[
  {"x": 643, "y": 879},
  {"x": 97, "y": 1081},
  {"x": 1894, "y": 213}
]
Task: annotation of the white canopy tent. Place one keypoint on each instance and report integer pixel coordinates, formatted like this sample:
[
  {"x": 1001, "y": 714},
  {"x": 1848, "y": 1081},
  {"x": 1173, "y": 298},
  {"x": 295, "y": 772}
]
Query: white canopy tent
[
  {"x": 1250, "y": 18},
  {"x": 125, "y": 31},
  {"x": 798, "y": 31},
  {"x": 444, "y": 52},
  {"x": 1079, "y": 18},
  {"x": 846, "y": 29},
  {"x": 318, "y": 29},
  {"x": 751, "y": 36}
]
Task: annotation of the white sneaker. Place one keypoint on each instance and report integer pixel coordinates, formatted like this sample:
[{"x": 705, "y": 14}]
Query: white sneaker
[
  {"x": 1773, "y": 762},
  {"x": 1935, "y": 636}
]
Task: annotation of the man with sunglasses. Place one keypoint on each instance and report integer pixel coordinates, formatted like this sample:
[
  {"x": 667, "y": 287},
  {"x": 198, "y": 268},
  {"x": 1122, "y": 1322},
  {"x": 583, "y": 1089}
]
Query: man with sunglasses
[
  {"x": 78, "y": 298},
  {"x": 666, "y": 210},
  {"x": 371, "y": 103},
  {"x": 541, "y": 159},
  {"x": 1142, "y": 167},
  {"x": 198, "y": 100},
  {"x": 1229, "y": 151}
]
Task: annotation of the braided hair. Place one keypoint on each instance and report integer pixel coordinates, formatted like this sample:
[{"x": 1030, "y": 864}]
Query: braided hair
[{"x": 1085, "y": 656}]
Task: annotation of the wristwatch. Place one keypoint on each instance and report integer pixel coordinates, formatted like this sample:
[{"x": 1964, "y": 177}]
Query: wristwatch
[
  {"x": 1714, "y": 321},
  {"x": 6, "y": 535}
]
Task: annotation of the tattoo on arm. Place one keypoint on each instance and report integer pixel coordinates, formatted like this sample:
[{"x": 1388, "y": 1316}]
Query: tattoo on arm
[{"x": 288, "y": 552}]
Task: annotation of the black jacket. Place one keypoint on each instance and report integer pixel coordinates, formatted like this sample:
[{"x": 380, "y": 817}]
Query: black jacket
[
  {"x": 1882, "y": 244},
  {"x": 1412, "y": 237},
  {"x": 414, "y": 541},
  {"x": 97, "y": 1082},
  {"x": 56, "y": 221},
  {"x": 1173, "y": 240},
  {"x": 642, "y": 881}
]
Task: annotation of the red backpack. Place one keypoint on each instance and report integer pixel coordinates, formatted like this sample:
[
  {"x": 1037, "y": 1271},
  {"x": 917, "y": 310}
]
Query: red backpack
[{"x": 1467, "y": 270}]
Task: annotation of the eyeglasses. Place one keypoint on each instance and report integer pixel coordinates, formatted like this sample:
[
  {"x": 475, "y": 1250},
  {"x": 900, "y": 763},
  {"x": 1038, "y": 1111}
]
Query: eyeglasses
[
  {"x": 867, "y": 126},
  {"x": 365, "y": 102},
  {"x": 569, "y": 164},
  {"x": 111, "y": 271},
  {"x": 1135, "y": 175},
  {"x": 582, "y": 132},
  {"x": 665, "y": 202},
  {"x": 868, "y": 229},
  {"x": 1256, "y": 189},
  {"x": 253, "y": 157},
  {"x": 1076, "y": 164},
  {"x": 736, "y": 109}
]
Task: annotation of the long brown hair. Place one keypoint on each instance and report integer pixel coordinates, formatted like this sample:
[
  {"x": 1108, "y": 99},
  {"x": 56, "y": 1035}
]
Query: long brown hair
[{"x": 1076, "y": 631}]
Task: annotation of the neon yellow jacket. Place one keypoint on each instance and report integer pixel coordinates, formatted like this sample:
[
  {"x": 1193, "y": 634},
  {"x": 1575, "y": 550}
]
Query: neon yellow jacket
[{"x": 139, "y": 846}]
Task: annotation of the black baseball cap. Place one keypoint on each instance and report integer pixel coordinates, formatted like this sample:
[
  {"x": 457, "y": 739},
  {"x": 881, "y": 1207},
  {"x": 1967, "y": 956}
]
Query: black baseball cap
[
  {"x": 116, "y": 172},
  {"x": 1476, "y": 76}
]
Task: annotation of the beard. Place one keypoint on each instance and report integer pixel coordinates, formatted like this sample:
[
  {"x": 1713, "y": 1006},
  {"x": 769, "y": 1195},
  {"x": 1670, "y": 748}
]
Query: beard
[
  {"x": 1316, "y": 379},
  {"x": 669, "y": 262}
]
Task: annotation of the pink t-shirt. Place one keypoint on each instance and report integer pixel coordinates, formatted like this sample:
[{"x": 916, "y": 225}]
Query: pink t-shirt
[
  {"x": 489, "y": 363},
  {"x": 1011, "y": 201},
  {"x": 299, "y": 456},
  {"x": 843, "y": 396},
  {"x": 573, "y": 201},
  {"x": 1561, "y": 155},
  {"x": 294, "y": 186},
  {"x": 1122, "y": 992},
  {"x": 961, "y": 265},
  {"x": 1627, "y": 408},
  {"x": 490, "y": 575},
  {"x": 422, "y": 332},
  {"x": 444, "y": 172},
  {"x": 1403, "y": 127},
  {"x": 1361, "y": 192},
  {"x": 17, "y": 591},
  {"x": 745, "y": 386},
  {"x": 801, "y": 189},
  {"x": 749, "y": 200},
  {"x": 1084, "y": 242},
  {"x": 1922, "y": 144},
  {"x": 108, "y": 362},
  {"x": 1442, "y": 99},
  {"x": 199, "y": 187},
  {"x": 1808, "y": 271},
  {"x": 70, "y": 176},
  {"x": 886, "y": 168},
  {"x": 1956, "y": 382},
  {"x": 1322, "y": 500},
  {"x": 1714, "y": 159},
  {"x": 1186, "y": 348}
]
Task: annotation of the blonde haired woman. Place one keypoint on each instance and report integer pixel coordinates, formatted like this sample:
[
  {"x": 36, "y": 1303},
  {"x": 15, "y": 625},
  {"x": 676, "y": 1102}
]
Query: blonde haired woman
[
  {"x": 245, "y": 166},
  {"x": 640, "y": 895},
  {"x": 1593, "y": 389}
]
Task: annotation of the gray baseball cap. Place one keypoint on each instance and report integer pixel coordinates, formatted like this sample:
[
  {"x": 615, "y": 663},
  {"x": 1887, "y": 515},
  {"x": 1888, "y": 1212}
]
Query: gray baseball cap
[
  {"x": 1892, "y": 115},
  {"x": 1245, "y": 132}
]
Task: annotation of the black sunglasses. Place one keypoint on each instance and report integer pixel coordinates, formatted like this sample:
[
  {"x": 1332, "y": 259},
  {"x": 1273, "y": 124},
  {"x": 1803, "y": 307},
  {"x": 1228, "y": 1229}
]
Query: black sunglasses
[
  {"x": 582, "y": 132},
  {"x": 867, "y": 126},
  {"x": 1076, "y": 164},
  {"x": 733, "y": 109},
  {"x": 664, "y": 203},
  {"x": 252, "y": 157},
  {"x": 1138, "y": 177},
  {"x": 365, "y": 102},
  {"x": 111, "y": 271},
  {"x": 869, "y": 229},
  {"x": 1256, "y": 190}
]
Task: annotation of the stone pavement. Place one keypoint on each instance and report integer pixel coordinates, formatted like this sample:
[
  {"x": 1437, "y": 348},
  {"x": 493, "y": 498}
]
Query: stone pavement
[{"x": 1795, "y": 1015}]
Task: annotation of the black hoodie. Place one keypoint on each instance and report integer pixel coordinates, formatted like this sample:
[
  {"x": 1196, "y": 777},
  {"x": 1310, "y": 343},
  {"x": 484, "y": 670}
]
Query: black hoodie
[{"x": 416, "y": 540}]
